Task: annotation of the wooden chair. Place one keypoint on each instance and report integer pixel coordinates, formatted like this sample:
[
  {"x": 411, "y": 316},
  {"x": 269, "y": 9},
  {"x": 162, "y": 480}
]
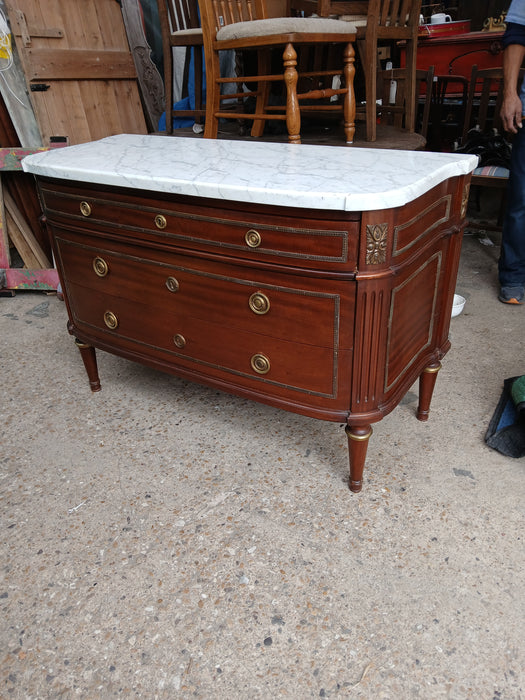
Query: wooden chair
[
  {"x": 386, "y": 21},
  {"x": 244, "y": 26},
  {"x": 482, "y": 115},
  {"x": 394, "y": 99},
  {"x": 180, "y": 26},
  {"x": 485, "y": 96},
  {"x": 447, "y": 112}
]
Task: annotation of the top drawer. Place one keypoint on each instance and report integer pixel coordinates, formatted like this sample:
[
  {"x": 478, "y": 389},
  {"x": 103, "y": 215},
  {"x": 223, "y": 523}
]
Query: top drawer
[{"x": 237, "y": 230}]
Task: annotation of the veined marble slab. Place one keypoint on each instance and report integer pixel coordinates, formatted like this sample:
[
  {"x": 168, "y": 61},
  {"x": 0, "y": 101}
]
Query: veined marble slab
[{"x": 320, "y": 177}]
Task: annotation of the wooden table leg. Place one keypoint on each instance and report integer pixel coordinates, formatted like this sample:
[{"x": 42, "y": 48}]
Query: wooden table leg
[
  {"x": 89, "y": 359},
  {"x": 357, "y": 446},
  {"x": 427, "y": 381}
]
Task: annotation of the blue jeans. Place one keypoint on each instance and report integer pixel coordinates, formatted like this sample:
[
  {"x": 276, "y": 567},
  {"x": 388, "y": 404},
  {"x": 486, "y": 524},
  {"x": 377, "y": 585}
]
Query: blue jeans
[{"x": 511, "y": 264}]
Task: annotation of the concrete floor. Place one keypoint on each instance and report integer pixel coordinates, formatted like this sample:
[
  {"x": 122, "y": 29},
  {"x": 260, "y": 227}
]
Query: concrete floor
[{"x": 164, "y": 540}]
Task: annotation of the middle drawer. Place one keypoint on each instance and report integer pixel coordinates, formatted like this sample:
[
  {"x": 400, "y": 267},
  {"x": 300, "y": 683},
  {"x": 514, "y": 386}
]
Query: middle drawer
[{"x": 298, "y": 308}]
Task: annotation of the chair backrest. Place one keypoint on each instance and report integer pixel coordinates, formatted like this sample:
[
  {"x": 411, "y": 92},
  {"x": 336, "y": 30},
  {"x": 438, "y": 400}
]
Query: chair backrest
[
  {"x": 220, "y": 13},
  {"x": 447, "y": 112},
  {"x": 485, "y": 96},
  {"x": 179, "y": 14},
  {"x": 394, "y": 13},
  {"x": 393, "y": 97},
  {"x": 379, "y": 13}
]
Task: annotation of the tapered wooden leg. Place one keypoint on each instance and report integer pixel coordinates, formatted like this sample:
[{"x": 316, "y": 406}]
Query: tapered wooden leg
[
  {"x": 293, "y": 115},
  {"x": 89, "y": 359},
  {"x": 349, "y": 100},
  {"x": 357, "y": 446},
  {"x": 427, "y": 381}
]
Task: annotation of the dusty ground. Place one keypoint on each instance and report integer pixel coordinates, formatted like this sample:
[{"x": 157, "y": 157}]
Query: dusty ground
[{"x": 164, "y": 540}]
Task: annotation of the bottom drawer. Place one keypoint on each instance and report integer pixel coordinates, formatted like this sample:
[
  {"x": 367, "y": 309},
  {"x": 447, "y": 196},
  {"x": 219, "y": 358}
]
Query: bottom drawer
[{"x": 212, "y": 347}]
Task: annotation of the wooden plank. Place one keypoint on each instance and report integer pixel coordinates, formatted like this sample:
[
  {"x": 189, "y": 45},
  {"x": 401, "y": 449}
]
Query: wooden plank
[
  {"x": 5, "y": 257},
  {"x": 24, "y": 30},
  {"x": 78, "y": 64},
  {"x": 112, "y": 33},
  {"x": 31, "y": 279},
  {"x": 22, "y": 236},
  {"x": 100, "y": 122},
  {"x": 20, "y": 243}
]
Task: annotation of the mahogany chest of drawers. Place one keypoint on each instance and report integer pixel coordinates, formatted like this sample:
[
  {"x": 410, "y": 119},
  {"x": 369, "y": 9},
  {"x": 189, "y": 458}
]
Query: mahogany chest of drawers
[{"x": 328, "y": 313}]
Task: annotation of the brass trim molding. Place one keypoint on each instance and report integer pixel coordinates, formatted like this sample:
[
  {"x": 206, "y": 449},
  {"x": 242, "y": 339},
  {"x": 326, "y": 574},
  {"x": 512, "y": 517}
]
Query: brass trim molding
[
  {"x": 335, "y": 317},
  {"x": 432, "y": 370},
  {"x": 342, "y": 235},
  {"x": 376, "y": 240},
  {"x": 389, "y": 383},
  {"x": 358, "y": 438},
  {"x": 464, "y": 201},
  {"x": 448, "y": 203}
]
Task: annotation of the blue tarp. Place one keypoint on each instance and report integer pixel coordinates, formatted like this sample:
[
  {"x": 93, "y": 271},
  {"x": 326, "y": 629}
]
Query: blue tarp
[{"x": 186, "y": 102}]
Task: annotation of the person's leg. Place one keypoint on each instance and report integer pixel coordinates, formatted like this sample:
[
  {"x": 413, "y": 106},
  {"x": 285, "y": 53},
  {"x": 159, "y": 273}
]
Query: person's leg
[{"x": 512, "y": 258}]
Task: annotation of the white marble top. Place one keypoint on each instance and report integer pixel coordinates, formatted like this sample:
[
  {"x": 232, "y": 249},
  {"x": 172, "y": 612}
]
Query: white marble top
[{"x": 321, "y": 177}]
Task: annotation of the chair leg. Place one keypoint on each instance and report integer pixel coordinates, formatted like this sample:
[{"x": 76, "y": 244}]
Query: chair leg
[
  {"x": 213, "y": 96},
  {"x": 263, "y": 92},
  {"x": 349, "y": 99},
  {"x": 371, "y": 88},
  {"x": 293, "y": 115},
  {"x": 410, "y": 90},
  {"x": 168, "y": 90}
]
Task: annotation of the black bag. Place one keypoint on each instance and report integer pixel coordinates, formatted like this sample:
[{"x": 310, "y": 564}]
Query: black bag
[{"x": 491, "y": 147}]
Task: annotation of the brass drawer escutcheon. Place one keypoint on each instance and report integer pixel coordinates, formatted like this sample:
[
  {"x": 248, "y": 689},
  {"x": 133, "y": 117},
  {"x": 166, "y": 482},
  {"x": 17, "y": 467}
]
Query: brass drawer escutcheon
[
  {"x": 160, "y": 221},
  {"x": 260, "y": 363},
  {"x": 110, "y": 320},
  {"x": 179, "y": 340},
  {"x": 253, "y": 238},
  {"x": 172, "y": 284},
  {"x": 100, "y": 266},
  {"x": 85, "y": 209},
  {"x": 259, "y": 303}
]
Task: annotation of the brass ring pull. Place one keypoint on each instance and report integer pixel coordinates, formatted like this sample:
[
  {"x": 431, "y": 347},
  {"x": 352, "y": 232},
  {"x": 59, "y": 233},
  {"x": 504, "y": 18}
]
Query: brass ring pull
[
  {"x": 260, "y": 363},
  {"x": 100, "y": 266},
  {"x": 172, "y": 284},
  {"x": 85, "y": 209},
  {"x": 179, "y": 340},
  {"x": 259, "y": 303},
  {"x": 110, "y": 320},
  {"x": 253, "y": 238},
  {"x": 160, "y": 221}
]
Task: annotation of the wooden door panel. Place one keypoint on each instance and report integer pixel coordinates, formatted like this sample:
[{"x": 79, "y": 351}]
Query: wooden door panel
[{"x": 78, "y": 67}]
